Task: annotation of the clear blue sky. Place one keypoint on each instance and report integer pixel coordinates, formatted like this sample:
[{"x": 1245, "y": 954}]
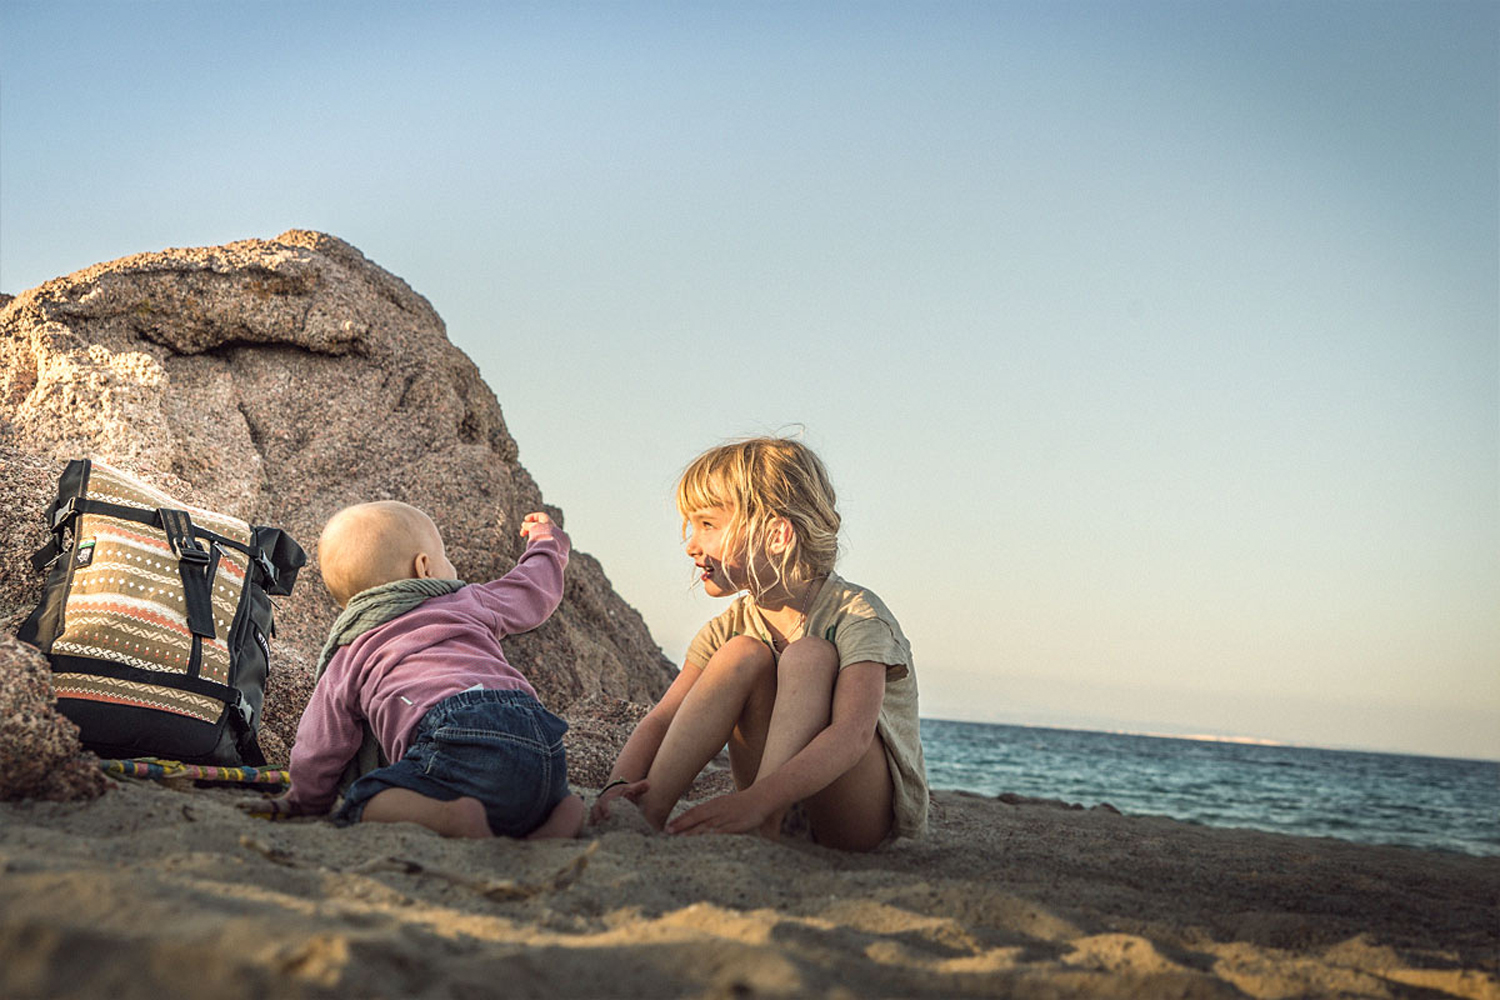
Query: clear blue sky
[{"x": 1152, "y": 347}]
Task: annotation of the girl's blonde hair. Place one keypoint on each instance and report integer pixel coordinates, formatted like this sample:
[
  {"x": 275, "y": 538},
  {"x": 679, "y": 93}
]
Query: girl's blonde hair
[{"x": 759, "y": 480}]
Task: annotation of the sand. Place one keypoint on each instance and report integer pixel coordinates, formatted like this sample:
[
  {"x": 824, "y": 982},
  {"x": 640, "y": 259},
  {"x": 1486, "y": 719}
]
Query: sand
[{"x": 157, "y": 890}]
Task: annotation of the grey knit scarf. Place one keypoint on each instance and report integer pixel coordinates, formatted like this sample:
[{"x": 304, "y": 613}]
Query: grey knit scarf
[{"x": 366, "y": 610}]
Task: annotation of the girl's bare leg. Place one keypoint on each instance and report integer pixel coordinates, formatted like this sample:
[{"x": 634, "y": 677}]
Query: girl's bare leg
[
  {"x": 748, "y": 741},
  {"x": 737, "y": 685},
  {"x": 855, "y": 813},
  {"x": 462, "y": 817},
  {"x": 805, "y": 677}
]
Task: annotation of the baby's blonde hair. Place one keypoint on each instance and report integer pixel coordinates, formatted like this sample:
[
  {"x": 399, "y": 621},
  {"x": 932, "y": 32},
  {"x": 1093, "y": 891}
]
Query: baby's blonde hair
[
  {"x": 372, "y": 543},
  {"x": 759, "y": 480}
]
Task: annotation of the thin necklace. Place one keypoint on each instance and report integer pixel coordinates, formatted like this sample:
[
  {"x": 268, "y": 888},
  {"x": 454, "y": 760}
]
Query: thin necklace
[
  {"x": 801, "y": 625},
  {"x": 787, "y": 636}
]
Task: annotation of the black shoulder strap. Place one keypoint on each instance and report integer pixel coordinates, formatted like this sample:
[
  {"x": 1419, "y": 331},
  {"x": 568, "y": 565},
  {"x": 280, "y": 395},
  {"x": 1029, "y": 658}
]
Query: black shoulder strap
[
  {"x": 192, "y": 563},
  {"x": 45, "y": 556}
]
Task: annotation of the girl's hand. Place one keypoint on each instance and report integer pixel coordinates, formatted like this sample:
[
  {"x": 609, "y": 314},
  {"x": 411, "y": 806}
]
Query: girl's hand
[
  {"x": 280, "y": 807},
  {"x": 737, "y": 812},
  {"x": 632, "y": 790},
  {"x": 536, "y": 526}
]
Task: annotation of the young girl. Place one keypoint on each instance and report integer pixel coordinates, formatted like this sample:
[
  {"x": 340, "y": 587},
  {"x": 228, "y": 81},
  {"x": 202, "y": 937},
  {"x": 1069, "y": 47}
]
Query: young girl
[{"x": 806, "y": 676}]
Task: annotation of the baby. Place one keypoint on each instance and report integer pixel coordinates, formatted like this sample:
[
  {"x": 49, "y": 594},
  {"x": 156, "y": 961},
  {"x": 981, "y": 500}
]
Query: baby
[{"x": 416, "y": 655}]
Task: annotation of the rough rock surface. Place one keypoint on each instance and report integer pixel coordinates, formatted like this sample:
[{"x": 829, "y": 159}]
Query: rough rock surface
[
  {"x": 280, "y": 380},
  {"x": 39, "y": 747}
]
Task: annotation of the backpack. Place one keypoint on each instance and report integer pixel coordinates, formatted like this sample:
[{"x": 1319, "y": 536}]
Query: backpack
[{"x": 156, "y": 619}]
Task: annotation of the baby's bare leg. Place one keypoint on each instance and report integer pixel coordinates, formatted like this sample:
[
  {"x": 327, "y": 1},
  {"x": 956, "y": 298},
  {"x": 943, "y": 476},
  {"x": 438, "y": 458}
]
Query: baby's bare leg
[
  {"x": 740, "y": 675},
  {"x": 805, "y": 677},
  {"x": 462, "y": 817},
  {"x": 565, "y": 821}
]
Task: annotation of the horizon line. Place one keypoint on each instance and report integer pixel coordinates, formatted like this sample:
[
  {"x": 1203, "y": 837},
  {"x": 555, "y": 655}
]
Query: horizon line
[{"x": 1220, "y": 738}]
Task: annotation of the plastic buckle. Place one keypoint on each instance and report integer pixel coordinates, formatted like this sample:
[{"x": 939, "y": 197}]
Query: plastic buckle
[
  {"x": 243, "y": 707},
  {"x": 267, "y": 568},
  {"x": 64, "y": 514}
]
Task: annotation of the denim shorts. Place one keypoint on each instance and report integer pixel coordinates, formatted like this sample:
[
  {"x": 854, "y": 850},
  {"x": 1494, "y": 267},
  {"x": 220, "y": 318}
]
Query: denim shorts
[{"x": 500, "y": 747}]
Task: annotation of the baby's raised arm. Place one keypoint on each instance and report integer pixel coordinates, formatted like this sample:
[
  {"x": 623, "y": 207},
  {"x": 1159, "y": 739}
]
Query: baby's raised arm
[{"x": 526, "y": 596}]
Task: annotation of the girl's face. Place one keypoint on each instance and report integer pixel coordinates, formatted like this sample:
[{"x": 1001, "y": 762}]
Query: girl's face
[{"x": 718, "y": 556}]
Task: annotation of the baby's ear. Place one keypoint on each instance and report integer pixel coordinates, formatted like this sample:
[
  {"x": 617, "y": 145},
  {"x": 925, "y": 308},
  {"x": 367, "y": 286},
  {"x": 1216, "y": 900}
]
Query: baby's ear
[{"x": 421, "y": 566}]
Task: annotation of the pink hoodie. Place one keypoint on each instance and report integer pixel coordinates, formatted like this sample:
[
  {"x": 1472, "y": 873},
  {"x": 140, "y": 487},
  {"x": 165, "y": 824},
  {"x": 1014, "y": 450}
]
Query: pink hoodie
[{"x": 392, "y": 674}]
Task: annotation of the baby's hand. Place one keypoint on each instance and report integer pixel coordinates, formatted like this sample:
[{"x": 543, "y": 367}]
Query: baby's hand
[{"x": 535, "y": 527}]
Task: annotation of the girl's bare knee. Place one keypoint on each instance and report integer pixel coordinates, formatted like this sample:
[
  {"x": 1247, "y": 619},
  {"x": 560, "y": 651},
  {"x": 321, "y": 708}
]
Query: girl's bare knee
[
  {"x": 741, "y": 646},
  {"x": 743, "y": 654},
  {"x": 811, "y": 653}
]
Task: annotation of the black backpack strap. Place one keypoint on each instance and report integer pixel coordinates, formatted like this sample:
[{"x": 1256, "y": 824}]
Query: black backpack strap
[
  {"x": 64, "y": 510},
  {"x": 43, "y": 558},
  {"x": 278, "y": 557},
  {"x": 60, "y": 516},
  {"x": 192, "y": 563},
  {"x": 242, "y": 722}
]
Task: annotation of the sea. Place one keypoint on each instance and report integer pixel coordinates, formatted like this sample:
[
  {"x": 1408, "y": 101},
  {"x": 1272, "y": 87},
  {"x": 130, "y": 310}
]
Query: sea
[{"x": 1433, "y": 803}]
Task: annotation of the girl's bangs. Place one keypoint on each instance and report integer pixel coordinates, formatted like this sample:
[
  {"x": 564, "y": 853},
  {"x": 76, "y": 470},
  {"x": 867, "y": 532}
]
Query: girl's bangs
[{"x": 702, "y": 486}]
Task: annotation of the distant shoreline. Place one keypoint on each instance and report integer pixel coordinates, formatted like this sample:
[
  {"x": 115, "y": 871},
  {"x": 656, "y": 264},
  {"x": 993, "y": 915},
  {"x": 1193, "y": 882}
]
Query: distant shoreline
[
  {"x": 1362, "y": 797},
  {"x": 1218, "y": 738}
]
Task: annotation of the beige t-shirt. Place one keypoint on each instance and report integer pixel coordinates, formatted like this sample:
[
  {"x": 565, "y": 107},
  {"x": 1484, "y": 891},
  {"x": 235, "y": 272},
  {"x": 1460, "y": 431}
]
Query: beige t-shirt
[{"x": 863, "y": 630}]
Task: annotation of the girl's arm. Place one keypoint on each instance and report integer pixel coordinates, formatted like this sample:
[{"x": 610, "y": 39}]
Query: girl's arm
[
  {"x": 640, "y": 750},
  {"x": 857, "y": 695}
]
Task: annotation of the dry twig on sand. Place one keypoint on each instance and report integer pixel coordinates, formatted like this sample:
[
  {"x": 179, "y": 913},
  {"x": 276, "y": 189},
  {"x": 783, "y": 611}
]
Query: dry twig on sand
[{"x": 499, "y": 890}]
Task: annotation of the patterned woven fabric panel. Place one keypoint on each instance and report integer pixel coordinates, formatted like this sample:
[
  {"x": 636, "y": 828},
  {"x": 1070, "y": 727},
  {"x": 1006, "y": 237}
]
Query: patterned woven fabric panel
[
  {"x": 87, "y": 687},
  {"x": 114, "y": 486},
  {"x": 126, "y": 603}
]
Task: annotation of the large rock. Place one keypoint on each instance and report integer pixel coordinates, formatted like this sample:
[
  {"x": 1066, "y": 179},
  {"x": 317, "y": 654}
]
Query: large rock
[
  {"x": 38, "y": 747},
  {"x": 280, "y": 380}
]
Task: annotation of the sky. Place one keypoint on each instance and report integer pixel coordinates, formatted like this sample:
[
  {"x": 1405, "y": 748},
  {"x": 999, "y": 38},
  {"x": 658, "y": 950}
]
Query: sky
[{"x": 1151, "y": 347}]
